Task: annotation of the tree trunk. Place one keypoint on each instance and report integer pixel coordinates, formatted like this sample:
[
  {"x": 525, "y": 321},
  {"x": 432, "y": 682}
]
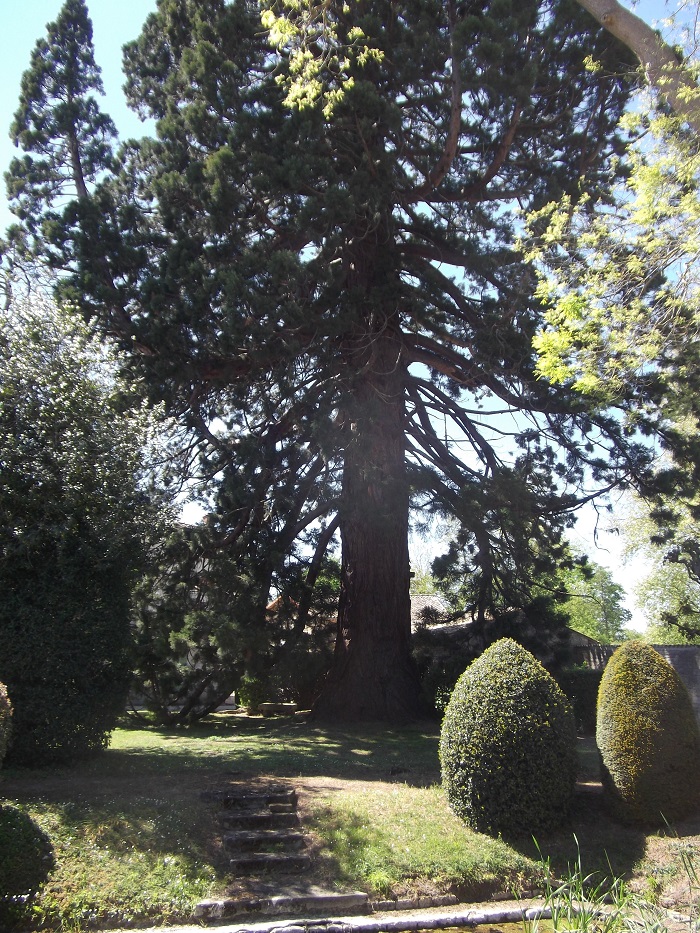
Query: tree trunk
[{"x": 373, "y": 676}]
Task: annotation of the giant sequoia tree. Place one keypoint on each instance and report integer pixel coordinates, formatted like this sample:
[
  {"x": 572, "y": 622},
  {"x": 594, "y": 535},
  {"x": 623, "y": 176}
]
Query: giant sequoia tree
[{"x": 330, "y": 291}]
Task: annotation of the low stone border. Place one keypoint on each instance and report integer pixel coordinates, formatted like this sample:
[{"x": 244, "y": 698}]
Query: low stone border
[
  {"x": 419, "y": 903},
  {"x": 218, "y": 909},
  {"x": 472, "y": 917}
]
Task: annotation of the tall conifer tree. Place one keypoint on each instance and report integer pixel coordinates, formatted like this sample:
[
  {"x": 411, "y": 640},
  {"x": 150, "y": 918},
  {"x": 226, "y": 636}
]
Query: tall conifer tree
[{"x": 331, "y": 291}]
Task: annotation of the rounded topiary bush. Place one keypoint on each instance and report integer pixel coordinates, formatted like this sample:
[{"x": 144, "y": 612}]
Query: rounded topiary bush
[
  {"x": 648, "y": 738},
  {"x": 508, "y": 745},
  {"x": 5, "y": 721},
  {"x": 26, "y": 860}
]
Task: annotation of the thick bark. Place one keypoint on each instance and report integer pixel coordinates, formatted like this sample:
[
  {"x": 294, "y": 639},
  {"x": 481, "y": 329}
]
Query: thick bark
[
  {"x": 373, "y": 676},
  {"x": 659, "y": 61}
]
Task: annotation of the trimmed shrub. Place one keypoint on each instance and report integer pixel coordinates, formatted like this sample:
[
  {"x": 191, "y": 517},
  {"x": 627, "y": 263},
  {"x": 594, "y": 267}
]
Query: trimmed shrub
[
  {"x": 5, "y": 722},
  {"x": 648, "y": 738},
  {"x": 26, "y": 859},
  {"x": 64, "y": 654},
  {"x": 508, "y": 745}
]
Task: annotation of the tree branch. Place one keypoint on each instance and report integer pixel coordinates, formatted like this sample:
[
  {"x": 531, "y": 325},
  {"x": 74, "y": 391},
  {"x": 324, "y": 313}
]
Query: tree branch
[{"x": 658, "y": 59}]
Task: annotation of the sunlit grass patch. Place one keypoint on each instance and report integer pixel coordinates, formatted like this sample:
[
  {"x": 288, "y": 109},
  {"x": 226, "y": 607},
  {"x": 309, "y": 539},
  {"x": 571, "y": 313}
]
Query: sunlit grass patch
[
  {"x": 120, "y": 862},
  {"x": 283, "y": 747},
  {"x": 134, "y": 845},
  {"x": 396, "y": 834}
]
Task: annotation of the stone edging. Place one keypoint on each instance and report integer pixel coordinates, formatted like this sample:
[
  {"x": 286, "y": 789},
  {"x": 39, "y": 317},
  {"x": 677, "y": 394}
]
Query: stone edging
[{"x": 472, "y": 917}]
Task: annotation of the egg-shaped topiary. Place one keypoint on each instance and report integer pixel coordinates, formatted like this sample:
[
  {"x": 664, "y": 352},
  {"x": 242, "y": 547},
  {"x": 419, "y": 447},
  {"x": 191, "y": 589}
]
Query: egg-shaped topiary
[
  {"x": 648, "y": 738},
  {"x": 508, "y": 745},
  {"x": 5, "y": 721}
]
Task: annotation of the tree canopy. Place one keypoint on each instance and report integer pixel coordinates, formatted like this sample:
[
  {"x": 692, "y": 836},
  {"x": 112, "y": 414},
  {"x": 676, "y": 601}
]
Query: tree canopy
[
  {"x": 595, "y": 605},
  {"x": 329, "y": 289},
  {"x": 670, "y": 72},
  {"x": 78, "y": 507},
  {"x": 620, "y": 283}
]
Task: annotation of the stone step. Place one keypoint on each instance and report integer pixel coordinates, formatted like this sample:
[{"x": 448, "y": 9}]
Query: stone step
[
  {"x": 269, "y": 861},
  {"x": 262, "y": 838},
  {"x": 313, "y": 901},
  {"x": 252, "y": 800},
  {"x": 263, "y": 819}
]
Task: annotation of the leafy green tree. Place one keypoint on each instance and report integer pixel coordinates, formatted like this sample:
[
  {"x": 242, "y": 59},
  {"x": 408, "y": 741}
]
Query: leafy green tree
[
  {"x": 622, "y": 293},
  {"x": 668, "y": 72},
  {"x": 317, "y": 268},
  {"x": 666, "y": 540},
  {"x": 595, "y": 605},
  {"x": 621, "y": 284},
  {"x": 77, "y": 504}
]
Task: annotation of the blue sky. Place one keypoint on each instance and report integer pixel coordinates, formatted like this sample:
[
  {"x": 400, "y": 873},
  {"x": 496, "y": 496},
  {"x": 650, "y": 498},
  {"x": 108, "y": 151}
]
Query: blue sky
[{"x": 114, "y": 22}]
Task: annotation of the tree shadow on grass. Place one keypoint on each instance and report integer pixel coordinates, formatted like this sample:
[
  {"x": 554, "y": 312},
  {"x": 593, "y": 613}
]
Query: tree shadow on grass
[
  {"x": 591, "y": 842},
  {"x": 280, "y": 747}
]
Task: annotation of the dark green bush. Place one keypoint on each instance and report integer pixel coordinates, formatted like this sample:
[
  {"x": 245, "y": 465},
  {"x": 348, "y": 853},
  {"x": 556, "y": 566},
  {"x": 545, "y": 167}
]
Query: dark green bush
[
  {"x": 508, "y": 745},
  {"x": 64, "y": 655},
  {"x": 648, "y": 738},
  {"x": 580, "y": 685},
  {"x": 5, "y": 722},
  {"x": 80, "y": 508},
  {"x": 442, "y": 655},
  {"x": 440, "y": 658},
  {"x": 26, "y": 859}
]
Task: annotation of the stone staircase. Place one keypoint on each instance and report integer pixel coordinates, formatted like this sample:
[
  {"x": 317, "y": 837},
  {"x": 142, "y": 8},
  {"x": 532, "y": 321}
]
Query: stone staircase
[
  {"x": 262, "y": 830},
  {"x": 263, "y": 835}
]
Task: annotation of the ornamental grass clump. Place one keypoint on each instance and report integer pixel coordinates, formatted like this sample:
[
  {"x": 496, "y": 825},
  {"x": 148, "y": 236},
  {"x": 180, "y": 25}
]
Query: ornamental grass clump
[
  {"x": 648, "y": 738},
  {"x": 508, "y": 745}
]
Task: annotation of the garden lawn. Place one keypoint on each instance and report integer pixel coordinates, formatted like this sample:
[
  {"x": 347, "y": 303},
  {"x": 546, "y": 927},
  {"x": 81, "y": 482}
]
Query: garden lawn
[{"x": 132, "y": 843}]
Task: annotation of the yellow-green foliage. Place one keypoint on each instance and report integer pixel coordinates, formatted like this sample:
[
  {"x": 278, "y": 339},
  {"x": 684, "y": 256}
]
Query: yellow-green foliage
[
  {"x": 508, "y": 745},
  {"x": 5, "y": 721},
  {"x": 648, "y": 738}
]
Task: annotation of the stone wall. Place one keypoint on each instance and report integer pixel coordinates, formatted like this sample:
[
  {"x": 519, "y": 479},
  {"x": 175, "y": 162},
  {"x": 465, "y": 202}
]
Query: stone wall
[{"x": 685, "y": 659}]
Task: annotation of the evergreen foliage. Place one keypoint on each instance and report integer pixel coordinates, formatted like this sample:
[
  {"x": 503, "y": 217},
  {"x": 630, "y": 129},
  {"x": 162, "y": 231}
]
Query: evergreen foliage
[
  {"x": 508, "y": 745},
  {"x": 67, "y": 140},
  {"x": 648, "y": 738},
  {"x": 199, "y": 636},
  {"x": 5, "y": 722},
  {"x": 314, "y": 268},
  {"x": 580, "y": 686},
  {"x": 442, "y": 655},
  {"x": 26, "y": 860},
  {"x": 76, "y": 509}
]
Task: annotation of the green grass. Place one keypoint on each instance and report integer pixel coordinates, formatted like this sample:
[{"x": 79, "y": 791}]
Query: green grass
[
  {"x": 277, "y": 746},
  {"x": 133, "y": 843},
  {"x": 120, "y": 859},
  {"x": 398, "y": 837}
]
